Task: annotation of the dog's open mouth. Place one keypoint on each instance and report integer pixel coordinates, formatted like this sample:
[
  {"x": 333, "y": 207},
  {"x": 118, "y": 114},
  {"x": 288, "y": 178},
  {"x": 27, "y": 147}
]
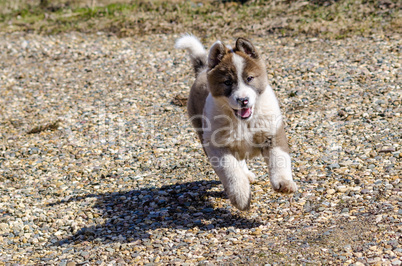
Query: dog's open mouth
[{"x": 243, "y": 113}]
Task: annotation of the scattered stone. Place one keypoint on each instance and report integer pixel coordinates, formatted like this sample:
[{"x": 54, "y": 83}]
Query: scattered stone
[
  {"x": 373, "y": 260},
  {"x": 330, "y": 191},
  {"x": 396, "y": 262},
  {"x": 122, "y": 179},
  {"x": 387, "y": 149},
  {"x": 342, "y": 189}
]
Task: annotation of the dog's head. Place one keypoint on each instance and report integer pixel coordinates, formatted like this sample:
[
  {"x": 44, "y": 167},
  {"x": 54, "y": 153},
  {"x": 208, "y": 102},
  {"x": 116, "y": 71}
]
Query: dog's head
[{"x": 236, "y": 77}]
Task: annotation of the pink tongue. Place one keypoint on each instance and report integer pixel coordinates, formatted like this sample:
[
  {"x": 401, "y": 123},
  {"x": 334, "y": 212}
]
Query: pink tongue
[{"x": 245, "y": 112}]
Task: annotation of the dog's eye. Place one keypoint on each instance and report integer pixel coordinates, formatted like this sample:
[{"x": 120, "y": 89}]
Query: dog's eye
[
  {"x": 249, "y": 78},
  {"x": 228, "y": 82}
]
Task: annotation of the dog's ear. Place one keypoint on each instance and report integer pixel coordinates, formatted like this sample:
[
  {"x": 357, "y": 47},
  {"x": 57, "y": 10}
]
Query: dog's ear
[
  {"x": 216, "y": 54},
  {"x": 246, "y": 47}
]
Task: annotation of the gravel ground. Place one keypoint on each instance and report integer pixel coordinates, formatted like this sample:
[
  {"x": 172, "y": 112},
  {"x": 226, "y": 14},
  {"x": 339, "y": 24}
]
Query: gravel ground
[{"x": 99, "y": 167}]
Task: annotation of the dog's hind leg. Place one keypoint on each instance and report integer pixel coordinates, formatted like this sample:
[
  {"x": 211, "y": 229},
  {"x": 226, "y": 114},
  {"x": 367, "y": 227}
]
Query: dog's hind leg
[{"x": 232, "y": 175}]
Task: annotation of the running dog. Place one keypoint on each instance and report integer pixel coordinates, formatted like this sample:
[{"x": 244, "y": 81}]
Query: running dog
[{"x": 237, "y": 117}]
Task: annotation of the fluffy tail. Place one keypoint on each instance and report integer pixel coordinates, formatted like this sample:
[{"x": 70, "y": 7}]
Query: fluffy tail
[{"x": 197, "y": 53}]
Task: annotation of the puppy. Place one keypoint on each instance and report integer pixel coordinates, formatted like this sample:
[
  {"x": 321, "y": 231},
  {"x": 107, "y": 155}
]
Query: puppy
[{"x": 237, "y": 116}]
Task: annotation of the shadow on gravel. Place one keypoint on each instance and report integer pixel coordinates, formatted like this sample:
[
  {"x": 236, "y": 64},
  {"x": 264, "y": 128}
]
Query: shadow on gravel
[{"x": 130, "y": 216}]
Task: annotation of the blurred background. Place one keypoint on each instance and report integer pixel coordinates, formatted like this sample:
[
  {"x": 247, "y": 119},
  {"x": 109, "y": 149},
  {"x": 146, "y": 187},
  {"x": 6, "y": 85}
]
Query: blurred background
[{"x": 205, "y": 18}]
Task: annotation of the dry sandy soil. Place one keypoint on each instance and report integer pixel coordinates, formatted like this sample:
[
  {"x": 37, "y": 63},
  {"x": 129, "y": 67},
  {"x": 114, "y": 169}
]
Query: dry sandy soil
[{"x": 100, "y": 166}]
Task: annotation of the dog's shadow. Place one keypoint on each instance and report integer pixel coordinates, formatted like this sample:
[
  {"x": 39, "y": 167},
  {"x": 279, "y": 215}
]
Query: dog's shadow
[{"x": 129, "y": 216}]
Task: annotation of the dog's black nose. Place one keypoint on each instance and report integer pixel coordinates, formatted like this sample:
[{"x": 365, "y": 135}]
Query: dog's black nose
[{"x": 242, "y": 101}]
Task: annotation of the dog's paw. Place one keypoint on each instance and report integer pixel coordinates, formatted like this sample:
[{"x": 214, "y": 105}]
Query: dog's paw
[
  {"x": 240, "y": 195},
  {"x": 251, "y": 177},
  {"x": 285, "y": 186},
  {"x": 241, "y": 202}
]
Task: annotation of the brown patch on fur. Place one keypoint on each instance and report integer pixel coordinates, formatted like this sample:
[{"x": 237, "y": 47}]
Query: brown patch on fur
[
  {"x": 260, "y": 139},
  {"x": 196, "y": 102},
  {"x": 255, "y": 68},
  {"x": 278, "y": 140},
  {"x": 224, "y": 71}
]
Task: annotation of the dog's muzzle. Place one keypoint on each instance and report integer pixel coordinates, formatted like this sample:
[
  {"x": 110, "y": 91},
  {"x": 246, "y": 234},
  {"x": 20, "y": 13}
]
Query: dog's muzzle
[{"x": 243, "y": 113}]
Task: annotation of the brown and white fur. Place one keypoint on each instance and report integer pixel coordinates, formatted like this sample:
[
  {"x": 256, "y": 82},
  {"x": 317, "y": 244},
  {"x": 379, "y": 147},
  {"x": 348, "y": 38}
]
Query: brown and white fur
[{"x": 237, "y": 116}]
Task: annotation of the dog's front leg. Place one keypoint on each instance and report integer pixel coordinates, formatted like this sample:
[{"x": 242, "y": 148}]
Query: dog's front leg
[
  {"x": 232, "y": 175},
  {"x": 276, "y": 155}
]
